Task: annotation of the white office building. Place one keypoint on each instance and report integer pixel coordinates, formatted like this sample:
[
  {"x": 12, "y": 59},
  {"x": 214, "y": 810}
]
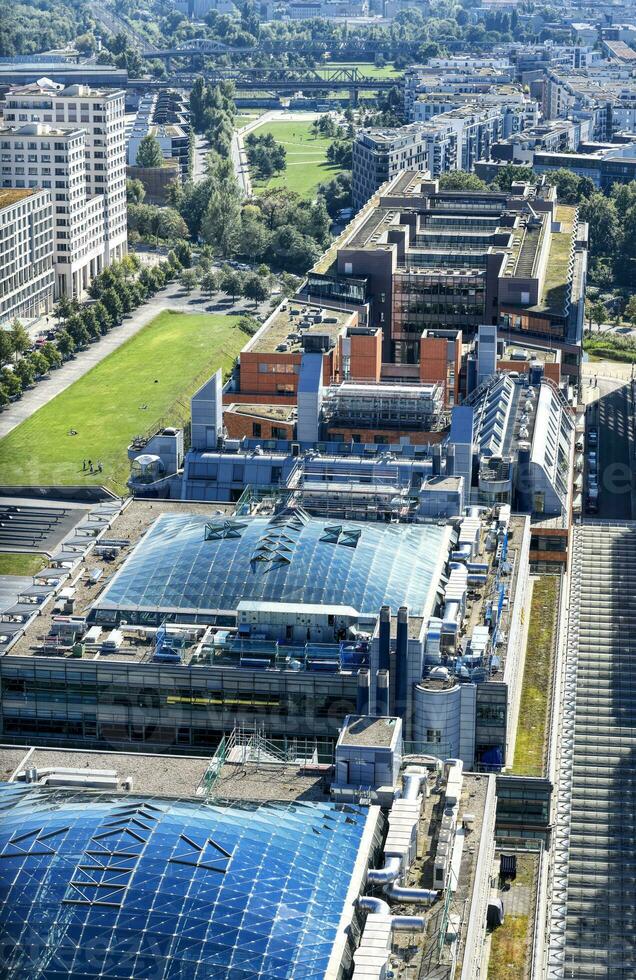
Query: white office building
[
  {"x": 26, "y": 253},
  {"x": 38, "y": 155},
  {"x": 100, "y": 114}
]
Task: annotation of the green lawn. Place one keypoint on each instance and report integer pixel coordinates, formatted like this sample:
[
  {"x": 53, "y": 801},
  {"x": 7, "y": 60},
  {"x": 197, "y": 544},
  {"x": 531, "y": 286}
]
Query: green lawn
[
  {"x": 146, "y": 381},
  {"x": 243, "y": 118},
  {"x": 306, "y": 159},
  {"x": 15, "y": 564},
  {"x": 365, "y": 68},
  {"x": 533, "y": 711}
]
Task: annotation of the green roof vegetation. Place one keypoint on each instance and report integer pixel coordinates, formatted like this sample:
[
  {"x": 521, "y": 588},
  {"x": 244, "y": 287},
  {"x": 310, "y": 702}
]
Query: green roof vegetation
[
  {"x": 144, "y": 383},
  {"x": 19, "y": 564},
  {"x": 555, "y": 287},
  {"x": 530, "y": 745},
  {"x": 510, "y": 944}
]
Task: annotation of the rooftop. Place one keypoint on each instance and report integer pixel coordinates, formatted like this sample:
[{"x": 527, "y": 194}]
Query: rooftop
[
  {"x": 293, "y": 321},
  {"x": 367, "y": 730},
  {"x": 10, "y": 196},
  {"x": 157, "y": 775},
  {"x": 175, "y": 887},
  {"x": 190, "y": 564}
]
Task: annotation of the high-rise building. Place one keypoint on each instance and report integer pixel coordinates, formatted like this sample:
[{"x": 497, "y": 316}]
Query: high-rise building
[
  {"x": 40, "y": 155},
  {"x": 26, "y": 253},
  {"x": 100, "y": 114}
]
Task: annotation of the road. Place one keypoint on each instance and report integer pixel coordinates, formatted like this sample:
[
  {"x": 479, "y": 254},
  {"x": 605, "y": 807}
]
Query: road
[{"x": 610, "y": 409}]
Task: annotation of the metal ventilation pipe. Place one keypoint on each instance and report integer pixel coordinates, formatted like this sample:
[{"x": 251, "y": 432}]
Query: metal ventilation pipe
[
  {"x": 382, "y": 693},
  {"x": 404, "y": 923},
  {"x": 408, "y": 923},
  {"x": 387, "y": 874},
  {"x": 419, "y": 896},
  {"x": 412, "y": 782},
  {"x": 374, "y": 905},
  {"x": 385, "y": 637},
  {"x": 362, "y": 700}
]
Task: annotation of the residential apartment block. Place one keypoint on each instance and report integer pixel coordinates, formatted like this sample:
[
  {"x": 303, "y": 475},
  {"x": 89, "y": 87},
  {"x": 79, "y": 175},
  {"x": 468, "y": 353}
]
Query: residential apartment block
[
  {"x": 452, "y": 140},
  {"x": 97, "y": 116},
  {"x": 26, "y": 253}
]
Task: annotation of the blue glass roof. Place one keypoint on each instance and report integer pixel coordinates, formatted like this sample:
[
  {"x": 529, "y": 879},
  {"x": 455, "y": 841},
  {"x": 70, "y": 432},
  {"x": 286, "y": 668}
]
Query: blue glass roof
[
  {"x": 187, "y": 562},
  {"x": 98, "y": 885}
]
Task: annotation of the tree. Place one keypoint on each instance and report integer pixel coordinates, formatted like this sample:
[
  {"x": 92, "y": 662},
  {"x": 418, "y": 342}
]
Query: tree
[
  {"x": 630, "y": 310},
  {"x": 604, "y": 227},
  {"x": 4, "y": 397},
  {"x": 20, "y": 340},
  {"x": 571, "y": 189},
  {"x": 254, "y": 288},
  {"x": 511, "y": 172},
  {"x": 221, "y": 224},
  {"x": 103, "y": 317},
  {"x": 64, "y": 308},
  {"x": 254, "y": 237},
  {"x": 598, "y": 314},
  {"x": 39, "y": 363},
  {"x": 188, "y": 280},
  {"x": 248, "y": 325},
  {"x": 113, "y": 304},
  {"x": 91, "y": 322},
  {"x": 135, "y": 191},
  {"x": 149, "y": 152},
  {"x": 77, "y": 330},
  {"x": 65, "y": 344},
  {"x": 231, "y": 283},
  {"x": 461, "y": 180},
  {"x": 209, "y": 283},
  {"x": 25, "y": 371},
  {"x": 6, "y": 347},
  {"x": 52, "y": 355},
  {"x": 11, "y": 382},
  {"x": 183, "y": 253},
  {"x": 337, "y": 193}
]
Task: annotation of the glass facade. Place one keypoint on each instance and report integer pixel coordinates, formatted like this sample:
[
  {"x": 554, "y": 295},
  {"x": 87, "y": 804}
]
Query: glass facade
[
  {"x": 100, "y": 885},
  {"x": 186, "y": 563}
]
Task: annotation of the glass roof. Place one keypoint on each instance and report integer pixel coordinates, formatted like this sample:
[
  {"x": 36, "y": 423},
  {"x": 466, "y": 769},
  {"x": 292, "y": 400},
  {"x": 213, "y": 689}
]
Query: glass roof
[
  {"x": 99, "y": 885},
  {"x": 187, "y": 562}
]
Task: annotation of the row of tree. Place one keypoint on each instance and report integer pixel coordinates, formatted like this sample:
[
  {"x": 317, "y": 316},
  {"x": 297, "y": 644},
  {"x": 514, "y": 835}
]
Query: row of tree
[
  {"x": 212, "y": 112},
  {"x": 116, "y": 291}
]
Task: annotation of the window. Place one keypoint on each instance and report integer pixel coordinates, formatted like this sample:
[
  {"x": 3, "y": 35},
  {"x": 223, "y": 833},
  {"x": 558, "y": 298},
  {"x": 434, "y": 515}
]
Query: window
[
  {"x": 256, "y": 429},
  {"x": 433, "y": 735},
  {"x": 237, "y": 473}
]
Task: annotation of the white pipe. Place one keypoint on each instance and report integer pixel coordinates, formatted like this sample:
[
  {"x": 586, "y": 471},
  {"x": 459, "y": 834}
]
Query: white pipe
[
  {"x": 423, "y": 896},
  {"x": 387, "y": 874}
]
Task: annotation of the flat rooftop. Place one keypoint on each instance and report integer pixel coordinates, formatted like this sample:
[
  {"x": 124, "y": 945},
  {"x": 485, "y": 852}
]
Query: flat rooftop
[
  {"x": 268, "y": 781},
  {"x": 11, "y": 195},
  {"x": 277, "y": 413},
  {"x": 293, "y": 321},
  {"x": 430, "y": 957},
  {"x": 130, "y": 525},
  {"x": 367, "y": 730},
  {"x": 156, "y": 775}
]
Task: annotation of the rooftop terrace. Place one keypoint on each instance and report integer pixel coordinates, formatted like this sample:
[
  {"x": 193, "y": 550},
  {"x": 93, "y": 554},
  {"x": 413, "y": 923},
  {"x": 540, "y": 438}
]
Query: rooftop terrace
[{"x": 293, "y": 321}]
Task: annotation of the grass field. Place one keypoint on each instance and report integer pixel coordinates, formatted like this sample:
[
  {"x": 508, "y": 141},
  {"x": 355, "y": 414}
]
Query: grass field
[
  {"x": 145, "y": 381},
  {"x": 533, "y": 712},
  {"x": 365, "y": 68},
  {"x": 243, "y": 118},
  {"x": 21, "y": 564},
  {"x": 306, "y": 158}
]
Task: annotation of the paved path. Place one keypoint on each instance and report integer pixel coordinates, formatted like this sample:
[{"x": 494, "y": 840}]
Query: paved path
[{"x": 171, "y": 298}]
